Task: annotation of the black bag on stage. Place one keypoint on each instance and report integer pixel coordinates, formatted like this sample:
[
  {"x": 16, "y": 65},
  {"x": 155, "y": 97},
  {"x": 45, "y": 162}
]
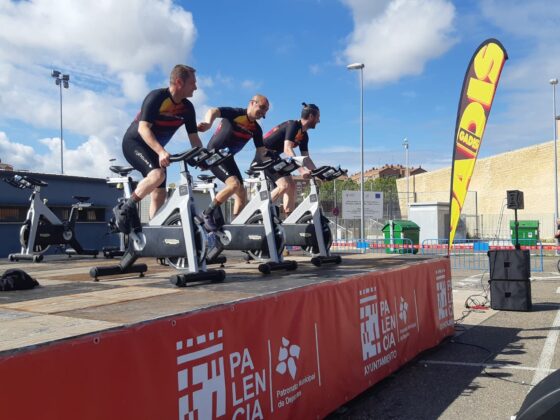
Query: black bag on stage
[{"x": 16, "y": 279}]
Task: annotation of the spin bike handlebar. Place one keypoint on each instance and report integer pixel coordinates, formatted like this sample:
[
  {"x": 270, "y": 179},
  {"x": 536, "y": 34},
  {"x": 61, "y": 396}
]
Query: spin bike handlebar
[
  {"x": 25, "y": 181},
  {"x": 328, "y": 173},
  {"x": 187, "y": 155},
  {"x": 209, "y": 158},
  {"x": 283, "y": 166}
]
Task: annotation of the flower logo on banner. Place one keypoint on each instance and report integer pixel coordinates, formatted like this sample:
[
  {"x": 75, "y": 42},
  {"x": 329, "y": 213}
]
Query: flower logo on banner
[
  {"x": 287, "y": 358},
  {"x": 403, "y": 310}
]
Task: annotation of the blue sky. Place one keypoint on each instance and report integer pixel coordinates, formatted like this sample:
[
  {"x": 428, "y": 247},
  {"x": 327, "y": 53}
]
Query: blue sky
[{"x": 415, "y": 54}]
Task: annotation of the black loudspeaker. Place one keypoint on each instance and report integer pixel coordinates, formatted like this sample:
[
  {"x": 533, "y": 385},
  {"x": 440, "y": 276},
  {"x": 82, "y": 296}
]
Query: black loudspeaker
[
  {"x": 510, "y": 285},
  {"x": 515, "y": 200},
  {"x": 510, "y": 264},
  {"x": 543, "y": 402},
  {"x": 511, "y": 295}
]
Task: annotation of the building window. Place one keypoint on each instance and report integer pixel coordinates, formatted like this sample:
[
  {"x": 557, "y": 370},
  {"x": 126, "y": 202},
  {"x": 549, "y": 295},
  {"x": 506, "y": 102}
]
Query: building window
[
  {"x": 89, "y": 214},
  {"x": 12, "y": 214},
  {"x": 18, "y": 214}
]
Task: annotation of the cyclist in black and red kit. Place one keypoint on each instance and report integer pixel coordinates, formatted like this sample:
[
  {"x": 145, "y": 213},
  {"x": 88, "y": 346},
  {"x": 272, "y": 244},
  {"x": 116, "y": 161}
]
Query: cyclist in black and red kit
[
  {"x": 237, "y": 127},
  {"x": 163, "y": 112},
  {"x": 284, "y": 138}
]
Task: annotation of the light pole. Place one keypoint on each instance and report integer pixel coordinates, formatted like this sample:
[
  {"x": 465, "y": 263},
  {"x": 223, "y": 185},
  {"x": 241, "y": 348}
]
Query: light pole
[
  {"x": 360, "y": 66},
  {"x": 554, "y": 82},
  {"x": 61, "y": 80},
  {"x": 405, "y": 144},
  {"x": 336, "y": 211}
]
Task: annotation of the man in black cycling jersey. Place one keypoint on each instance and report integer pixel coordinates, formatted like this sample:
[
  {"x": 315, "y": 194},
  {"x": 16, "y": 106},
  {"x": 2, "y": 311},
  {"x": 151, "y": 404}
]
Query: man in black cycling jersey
[
  {"x": 284, "y": 138},
  {"x": 163, "y": 112},
  {"x": 237, "y": 127}
]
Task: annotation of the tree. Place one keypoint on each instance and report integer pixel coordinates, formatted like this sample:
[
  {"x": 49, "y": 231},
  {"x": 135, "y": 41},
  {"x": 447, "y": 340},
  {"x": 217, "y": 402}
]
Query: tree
[
  {"x": 388, "y": 186},
  {"x": 326, "y": 192}
]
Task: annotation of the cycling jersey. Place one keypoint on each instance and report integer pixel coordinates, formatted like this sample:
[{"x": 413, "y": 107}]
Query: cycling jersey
[
  {"x": 289, "y": 130},
  {"x": 165, "y": 116},
  {"x": 235, "y": 130}
]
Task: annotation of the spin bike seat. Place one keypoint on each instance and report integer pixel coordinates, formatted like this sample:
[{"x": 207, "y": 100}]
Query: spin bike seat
[
  {"x": 121, "y": 170},
  {"x": 206, "y": 178},
  {"x": 80, "y": 198}
]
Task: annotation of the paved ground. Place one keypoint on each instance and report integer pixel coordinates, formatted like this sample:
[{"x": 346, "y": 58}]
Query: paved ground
[{"x": 485, "y": 371}]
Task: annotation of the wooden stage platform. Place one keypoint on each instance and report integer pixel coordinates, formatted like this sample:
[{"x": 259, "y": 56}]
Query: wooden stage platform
[{"x": 267, "y": 345}]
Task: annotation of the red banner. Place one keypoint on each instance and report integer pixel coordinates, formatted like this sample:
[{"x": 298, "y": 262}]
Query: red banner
[{"x": 294, "y": 354}]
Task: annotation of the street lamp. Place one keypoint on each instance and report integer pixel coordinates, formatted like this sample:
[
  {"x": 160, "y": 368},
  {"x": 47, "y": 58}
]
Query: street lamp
[
  {"x": 61, "y": 80},
  {"x": 360, "y": 66},
  {"x": 405, "y": 144},
  {"x": 554, "y": 82}
]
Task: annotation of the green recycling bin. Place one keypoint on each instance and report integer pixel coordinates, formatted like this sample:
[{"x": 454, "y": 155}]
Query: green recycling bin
[
  {"x": 528, "y": 232},
  {"x": 402, "y": 230}
]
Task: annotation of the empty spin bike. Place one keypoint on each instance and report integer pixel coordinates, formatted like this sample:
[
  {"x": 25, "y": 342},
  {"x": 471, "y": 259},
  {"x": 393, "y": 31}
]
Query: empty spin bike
[
  {"x": 42, "y": 228},
  {"x": 307, "y": 227}
]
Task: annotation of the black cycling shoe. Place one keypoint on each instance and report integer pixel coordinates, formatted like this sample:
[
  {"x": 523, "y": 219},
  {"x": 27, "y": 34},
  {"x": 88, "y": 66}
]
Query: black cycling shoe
[
  {"x": 120, "y": 211},
  {"x": 126, "y": 217},
  {"x": 209, "y": 222}
]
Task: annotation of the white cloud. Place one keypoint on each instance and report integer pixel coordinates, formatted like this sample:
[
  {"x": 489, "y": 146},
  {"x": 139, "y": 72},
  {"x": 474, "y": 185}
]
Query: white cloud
[
  {"x": 109, "y": 49},
  {"x": 397, "y": 38},
  {"x": 91, "y": 158},
  {"x": 123, "y": 36},
  {"x": 17, "y": 154},
  {"x": 134, "y": 85},
  {"x": 251, "y": 85},
  {"x": 315, "y": 69}
]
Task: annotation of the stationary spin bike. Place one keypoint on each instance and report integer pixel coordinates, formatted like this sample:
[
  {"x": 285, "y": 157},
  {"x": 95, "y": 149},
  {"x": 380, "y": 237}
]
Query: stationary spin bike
[
  {"x": 123, "y": 179},
  {"x": 307, "y": 227},
  {"x": 174, "y": 233},
  {"x": 257, "y": 229},
  {"x": 42, "y": 228}
]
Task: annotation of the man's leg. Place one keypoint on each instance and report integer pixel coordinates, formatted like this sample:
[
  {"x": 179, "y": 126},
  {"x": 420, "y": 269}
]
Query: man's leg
[
  {"x": 129, "y": 212},
  {"x": 152, "y": 181},
  {"x": 229, "y": 174},
  {"x": 231, "y": 188},
  {"x": 289, "y": 199},
  {"x": 281, "y": 188},
  {"x": 146, "y": 161},
  {"x": 158, "y": 197},
  {"x": 240, "y": 197},
  {"x": 153, "y": 184}
]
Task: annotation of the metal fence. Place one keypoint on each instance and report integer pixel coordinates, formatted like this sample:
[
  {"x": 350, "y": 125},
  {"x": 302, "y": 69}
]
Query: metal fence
[
  {"x": 468, "y": 254},
  {"x": 471, "y": 254},
  {"x": 375, "y": 246}
]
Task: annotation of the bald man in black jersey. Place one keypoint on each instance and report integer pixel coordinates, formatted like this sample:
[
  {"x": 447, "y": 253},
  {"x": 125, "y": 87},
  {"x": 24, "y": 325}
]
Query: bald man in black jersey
[
  {"x": 286, "y": 137},
  {"x": 237, "y": 127}
]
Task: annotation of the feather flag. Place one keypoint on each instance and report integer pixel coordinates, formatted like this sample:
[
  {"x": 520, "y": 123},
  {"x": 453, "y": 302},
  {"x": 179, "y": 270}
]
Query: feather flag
[{"x": 477, "y": 95}]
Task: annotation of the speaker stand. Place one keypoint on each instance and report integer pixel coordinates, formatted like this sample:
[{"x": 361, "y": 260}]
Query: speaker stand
[{"x": 517, "y": 246}]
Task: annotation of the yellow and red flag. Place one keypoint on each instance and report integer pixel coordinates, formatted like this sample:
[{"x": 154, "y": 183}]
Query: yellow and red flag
[{"x": 477, "y": 95}]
